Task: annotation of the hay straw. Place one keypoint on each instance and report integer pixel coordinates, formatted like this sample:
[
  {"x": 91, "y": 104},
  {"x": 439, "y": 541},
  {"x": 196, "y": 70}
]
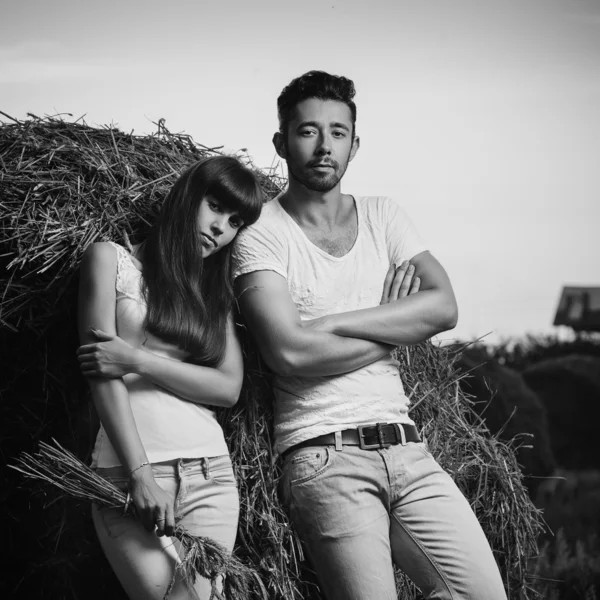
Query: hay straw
[
  {"x": 56, "y": 466},
  {"x": 64, "y": 185}
]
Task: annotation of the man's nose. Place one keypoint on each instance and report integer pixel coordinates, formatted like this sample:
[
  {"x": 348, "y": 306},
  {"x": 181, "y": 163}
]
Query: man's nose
[{"x": 324, "y": 145}]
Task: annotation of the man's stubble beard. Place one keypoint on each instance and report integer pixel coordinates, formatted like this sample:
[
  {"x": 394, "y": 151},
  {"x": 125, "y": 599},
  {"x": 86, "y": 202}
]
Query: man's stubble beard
[{"x": 317, "y": 183}]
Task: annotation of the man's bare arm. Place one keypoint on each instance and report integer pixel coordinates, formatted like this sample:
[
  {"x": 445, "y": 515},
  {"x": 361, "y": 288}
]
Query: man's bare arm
[
  {"x": 286, "y": 345},
  {"x": 408, "y": 320}
]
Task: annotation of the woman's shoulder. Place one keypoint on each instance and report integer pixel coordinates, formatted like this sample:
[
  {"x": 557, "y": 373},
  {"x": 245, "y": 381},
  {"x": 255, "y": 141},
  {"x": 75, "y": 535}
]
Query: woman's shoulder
[
  {"x": 111, "y": 251},
  {"x": 101, "y": 253}
]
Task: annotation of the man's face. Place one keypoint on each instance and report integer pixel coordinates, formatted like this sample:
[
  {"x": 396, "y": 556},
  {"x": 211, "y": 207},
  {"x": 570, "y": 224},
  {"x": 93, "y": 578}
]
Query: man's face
[{"x": 319, "y": 143}]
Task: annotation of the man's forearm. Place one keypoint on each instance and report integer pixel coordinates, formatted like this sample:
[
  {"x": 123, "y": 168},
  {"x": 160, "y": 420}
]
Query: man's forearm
[
  {"x": 323, "y": 354},
  {"x": 406, "y": 321}
]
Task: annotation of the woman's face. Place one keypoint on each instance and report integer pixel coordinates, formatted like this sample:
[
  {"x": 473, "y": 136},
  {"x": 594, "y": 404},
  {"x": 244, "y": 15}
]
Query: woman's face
[{"x": 217, "y": 225}]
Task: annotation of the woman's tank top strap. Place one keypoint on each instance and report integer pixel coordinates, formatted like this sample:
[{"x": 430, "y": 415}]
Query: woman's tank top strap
[{"x": 128, "y": 275}]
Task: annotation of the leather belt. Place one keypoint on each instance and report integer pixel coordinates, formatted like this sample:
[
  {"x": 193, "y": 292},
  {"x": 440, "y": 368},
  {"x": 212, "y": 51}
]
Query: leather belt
[{"x": 368, "y": 437}]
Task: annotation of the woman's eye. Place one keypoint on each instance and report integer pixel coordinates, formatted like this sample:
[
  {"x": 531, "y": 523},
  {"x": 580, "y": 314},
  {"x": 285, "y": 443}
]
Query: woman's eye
[
  {"x": 215, "y": 206},
  {"x": 236, "y": 222}
]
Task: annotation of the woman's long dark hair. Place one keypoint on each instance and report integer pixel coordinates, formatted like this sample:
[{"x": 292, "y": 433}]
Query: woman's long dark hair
[{"x": 188, "y": 297}]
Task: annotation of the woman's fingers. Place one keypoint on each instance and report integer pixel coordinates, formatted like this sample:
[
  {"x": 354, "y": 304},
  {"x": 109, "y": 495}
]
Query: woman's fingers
[
  {"x": 169, "y": 521},
  {"x": 160, "y": 521},
  {"x": 87, "y": 349},
  {"x": 147, "y": 518}
]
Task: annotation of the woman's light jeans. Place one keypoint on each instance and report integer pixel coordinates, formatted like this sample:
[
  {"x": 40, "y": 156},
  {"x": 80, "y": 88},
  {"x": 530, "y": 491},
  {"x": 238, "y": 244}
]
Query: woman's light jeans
[
  {"x": 358, "y": 511},
  {"x": 206, "y": 503}
]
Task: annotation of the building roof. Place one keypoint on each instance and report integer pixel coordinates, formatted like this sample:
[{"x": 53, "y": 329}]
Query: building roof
[{"x": 579, "y": 308}]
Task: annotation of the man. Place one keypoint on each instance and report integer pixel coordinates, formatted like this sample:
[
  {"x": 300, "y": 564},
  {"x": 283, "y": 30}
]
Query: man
[{"x": 315, "y": 285}]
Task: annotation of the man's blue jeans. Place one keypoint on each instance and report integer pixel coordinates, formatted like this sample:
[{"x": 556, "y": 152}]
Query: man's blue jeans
[{"x": 358, "y": 511}]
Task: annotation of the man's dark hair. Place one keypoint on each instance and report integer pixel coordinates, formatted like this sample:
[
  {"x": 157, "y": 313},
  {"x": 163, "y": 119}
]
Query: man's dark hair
[{"x": 314, "y": 84}]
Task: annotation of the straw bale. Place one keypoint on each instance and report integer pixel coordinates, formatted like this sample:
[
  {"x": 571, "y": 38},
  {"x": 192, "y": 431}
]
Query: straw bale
[{"x": 64, "y": 185}]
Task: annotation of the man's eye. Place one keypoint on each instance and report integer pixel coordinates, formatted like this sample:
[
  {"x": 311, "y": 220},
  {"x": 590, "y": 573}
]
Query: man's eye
[
  {"x": 339, "y": 134},
  {"x": 306, "y": 132}
]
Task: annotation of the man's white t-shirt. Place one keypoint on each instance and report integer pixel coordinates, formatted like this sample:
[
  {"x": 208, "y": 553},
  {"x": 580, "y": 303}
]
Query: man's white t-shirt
[{"x": 321, "y": 284}]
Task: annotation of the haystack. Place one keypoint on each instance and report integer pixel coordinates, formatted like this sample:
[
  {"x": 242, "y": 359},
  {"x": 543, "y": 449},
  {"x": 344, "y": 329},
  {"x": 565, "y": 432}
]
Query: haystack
[{"x": 65, "y": 185}]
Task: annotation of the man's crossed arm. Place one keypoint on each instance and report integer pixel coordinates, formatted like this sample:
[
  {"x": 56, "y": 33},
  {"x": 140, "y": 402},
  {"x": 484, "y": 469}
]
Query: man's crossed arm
[{"x": 344, "y": 342}]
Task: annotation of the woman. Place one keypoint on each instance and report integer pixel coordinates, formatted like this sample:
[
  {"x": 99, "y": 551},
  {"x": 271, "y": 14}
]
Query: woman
[{"x": 159, "y": 349}]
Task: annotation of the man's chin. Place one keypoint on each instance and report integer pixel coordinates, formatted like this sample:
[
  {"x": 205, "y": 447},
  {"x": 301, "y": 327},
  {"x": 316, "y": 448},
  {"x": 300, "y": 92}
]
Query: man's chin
[{"x": 321, "y": 184}]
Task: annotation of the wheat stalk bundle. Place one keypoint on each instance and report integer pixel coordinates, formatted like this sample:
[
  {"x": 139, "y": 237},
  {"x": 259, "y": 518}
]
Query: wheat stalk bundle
[{"x": 203, "y": 557}]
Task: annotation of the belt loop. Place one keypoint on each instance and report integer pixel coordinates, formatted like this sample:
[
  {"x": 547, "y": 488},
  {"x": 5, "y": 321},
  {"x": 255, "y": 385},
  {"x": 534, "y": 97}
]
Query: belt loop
[
  {"x": 338, "y": 441},
  {"x": 402, "y": 434},
  {"x": 206, "y": 468}
]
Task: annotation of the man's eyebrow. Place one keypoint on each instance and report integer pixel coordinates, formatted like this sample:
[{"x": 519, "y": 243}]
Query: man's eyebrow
[
  {"x": 333, "y": 125},
  {"x": 338, "y": 125}
]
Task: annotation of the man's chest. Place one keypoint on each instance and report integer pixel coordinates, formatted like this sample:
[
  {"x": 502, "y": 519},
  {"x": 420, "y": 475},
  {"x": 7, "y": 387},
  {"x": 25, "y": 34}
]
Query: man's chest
[
  {"x": 337, "y": 242},
  {"x": 322, "y": 285}
]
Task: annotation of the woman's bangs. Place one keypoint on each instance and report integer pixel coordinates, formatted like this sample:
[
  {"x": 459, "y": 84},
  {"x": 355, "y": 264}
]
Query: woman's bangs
[{"x": 243, "y": 197}]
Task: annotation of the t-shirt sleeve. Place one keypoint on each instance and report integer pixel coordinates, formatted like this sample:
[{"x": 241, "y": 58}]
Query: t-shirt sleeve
[
  {"x": 258, "y": 248},
  {"x": 402, "y": 237}
]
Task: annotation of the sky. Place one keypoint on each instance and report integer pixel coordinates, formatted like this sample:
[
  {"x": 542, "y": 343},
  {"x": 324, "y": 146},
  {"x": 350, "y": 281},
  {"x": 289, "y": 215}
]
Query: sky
[{"x": 481, "y": 117}]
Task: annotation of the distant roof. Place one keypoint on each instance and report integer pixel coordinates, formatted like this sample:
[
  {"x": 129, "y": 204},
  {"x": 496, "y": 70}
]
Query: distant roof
[{"x": 579, "y": 308}]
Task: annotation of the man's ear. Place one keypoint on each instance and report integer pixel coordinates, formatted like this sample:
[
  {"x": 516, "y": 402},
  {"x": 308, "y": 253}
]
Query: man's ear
[
  {"x": 355, "y": 147},
  {"x": 279, "y": 144}
]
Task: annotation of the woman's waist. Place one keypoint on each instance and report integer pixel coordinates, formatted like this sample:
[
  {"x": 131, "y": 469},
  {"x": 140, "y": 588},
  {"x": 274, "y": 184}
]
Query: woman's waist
[{"x": 175, "y": 467}]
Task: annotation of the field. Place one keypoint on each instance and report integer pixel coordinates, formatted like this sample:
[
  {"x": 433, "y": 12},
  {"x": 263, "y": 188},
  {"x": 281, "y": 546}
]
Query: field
[{"x": 546, "y": 392}]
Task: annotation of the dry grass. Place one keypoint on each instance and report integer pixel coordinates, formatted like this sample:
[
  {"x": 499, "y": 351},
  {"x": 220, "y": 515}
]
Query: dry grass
[{"x": 64, "y": 185}]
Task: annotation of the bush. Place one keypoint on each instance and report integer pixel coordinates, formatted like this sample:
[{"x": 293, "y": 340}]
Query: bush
[
  {"x": 568, "y": 565},
  {"x": 569, "y": 388},
  {"x": 510, "y": 410}
]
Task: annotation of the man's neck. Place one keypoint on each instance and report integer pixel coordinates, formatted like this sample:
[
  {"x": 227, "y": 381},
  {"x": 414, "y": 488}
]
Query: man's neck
[{"x": 313, "y": 209}]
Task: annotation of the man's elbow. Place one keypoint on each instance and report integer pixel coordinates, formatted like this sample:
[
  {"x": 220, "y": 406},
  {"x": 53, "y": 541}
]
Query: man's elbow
[
  {"x": 448, "y": 316},
  {"x": 284, "y": 362}
]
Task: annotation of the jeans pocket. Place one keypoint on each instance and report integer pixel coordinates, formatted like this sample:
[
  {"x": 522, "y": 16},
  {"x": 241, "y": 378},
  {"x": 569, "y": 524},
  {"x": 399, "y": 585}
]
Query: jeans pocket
[
  {"x": 424, "y": 448},
  {"x": 222, "y": 473},
  {"x": 114, "y": 523},
  {"x": 307, "y": 463}
]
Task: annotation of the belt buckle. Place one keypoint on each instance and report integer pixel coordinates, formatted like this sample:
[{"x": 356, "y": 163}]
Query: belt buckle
[{"x": 361, "y": 437}]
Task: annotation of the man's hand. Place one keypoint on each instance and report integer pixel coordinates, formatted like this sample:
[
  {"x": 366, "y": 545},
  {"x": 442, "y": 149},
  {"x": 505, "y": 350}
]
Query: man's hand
[
  {"x": 399, "y": 282},
  {"x": 110, "y": 357}
]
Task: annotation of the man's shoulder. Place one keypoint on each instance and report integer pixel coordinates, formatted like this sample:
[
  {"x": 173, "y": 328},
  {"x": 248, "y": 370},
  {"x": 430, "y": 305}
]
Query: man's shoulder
[
  {"x": 377, "y": 207},
  {"x": 271, "y": 217},
  {"x": 265, "y": 235}
]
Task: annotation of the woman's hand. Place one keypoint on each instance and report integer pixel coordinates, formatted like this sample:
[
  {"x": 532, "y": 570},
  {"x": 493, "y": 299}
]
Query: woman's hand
[
  {"x": 110, "y": 357},
  {"x": 153, "y": 506},
  {"x": 400, "y": 282}
]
